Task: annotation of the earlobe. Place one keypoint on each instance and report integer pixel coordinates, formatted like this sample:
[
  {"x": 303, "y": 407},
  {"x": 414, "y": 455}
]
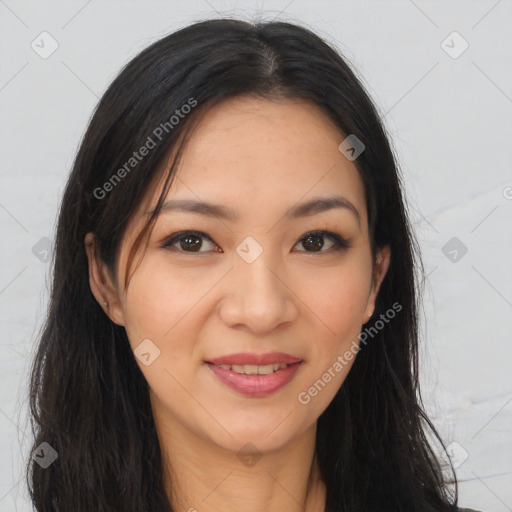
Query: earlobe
[{"x": 101, "y": 283}]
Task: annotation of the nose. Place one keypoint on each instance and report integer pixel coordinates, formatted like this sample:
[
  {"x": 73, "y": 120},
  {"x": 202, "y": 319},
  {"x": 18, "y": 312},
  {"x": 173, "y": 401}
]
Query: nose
[{"x": 257, "y": 296}]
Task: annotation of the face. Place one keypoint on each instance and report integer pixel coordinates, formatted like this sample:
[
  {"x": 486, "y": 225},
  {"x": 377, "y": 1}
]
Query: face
[{"x": 265, "y": 276}]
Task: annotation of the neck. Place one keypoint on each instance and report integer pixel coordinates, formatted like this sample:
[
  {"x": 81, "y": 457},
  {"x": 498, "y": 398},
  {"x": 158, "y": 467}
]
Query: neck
[{"x": 202, "y": 476}]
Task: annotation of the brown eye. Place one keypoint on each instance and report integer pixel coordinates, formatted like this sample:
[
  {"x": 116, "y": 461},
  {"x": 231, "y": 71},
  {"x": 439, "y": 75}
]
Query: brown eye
[
  {"x": 188, "y": 241},
  {"x": 191, "y": 242},
  {"x": 314, "y": 241}
]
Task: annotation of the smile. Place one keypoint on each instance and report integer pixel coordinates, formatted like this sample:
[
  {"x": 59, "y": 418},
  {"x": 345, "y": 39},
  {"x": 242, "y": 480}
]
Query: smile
[{"x": 256, "y": 381}]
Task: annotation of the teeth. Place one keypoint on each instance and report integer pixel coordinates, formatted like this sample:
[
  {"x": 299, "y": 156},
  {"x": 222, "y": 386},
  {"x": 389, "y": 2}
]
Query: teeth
[
  {"x": 253, "y": 369},
  {"x": 265, "y": 369}
]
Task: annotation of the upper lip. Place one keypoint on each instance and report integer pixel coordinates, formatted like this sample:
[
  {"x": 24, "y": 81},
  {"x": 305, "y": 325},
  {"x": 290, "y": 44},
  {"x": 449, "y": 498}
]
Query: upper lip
[{"x": 256, "y": 359}]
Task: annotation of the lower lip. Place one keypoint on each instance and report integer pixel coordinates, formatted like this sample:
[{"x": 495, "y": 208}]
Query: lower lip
[{"x": 255, "y": 385}]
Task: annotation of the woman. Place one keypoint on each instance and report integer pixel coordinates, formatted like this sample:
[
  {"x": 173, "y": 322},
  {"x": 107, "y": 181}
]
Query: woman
[{"x": 233, "y": 318}]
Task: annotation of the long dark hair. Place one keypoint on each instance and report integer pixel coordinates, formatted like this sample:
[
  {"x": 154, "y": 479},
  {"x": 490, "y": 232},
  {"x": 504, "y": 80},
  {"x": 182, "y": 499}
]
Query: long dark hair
[{"x": 88, "y": 398}]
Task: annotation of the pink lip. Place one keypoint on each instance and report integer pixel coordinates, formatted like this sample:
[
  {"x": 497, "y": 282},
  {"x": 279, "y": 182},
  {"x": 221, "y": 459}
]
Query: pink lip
[
  {"x": 259, "y": 359},
  {"x": 255, "y": 385}
]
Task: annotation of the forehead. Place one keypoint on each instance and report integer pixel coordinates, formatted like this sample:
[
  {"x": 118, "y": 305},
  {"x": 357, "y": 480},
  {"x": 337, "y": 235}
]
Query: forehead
[{"x": 266, "y": 151}]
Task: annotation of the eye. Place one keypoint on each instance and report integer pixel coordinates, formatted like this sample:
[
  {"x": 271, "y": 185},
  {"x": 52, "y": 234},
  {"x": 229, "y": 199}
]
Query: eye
[
  {"x": 314, "y": 240},
  {"x": 192, "y": 241},
  {"x": 189, "y": 241}
]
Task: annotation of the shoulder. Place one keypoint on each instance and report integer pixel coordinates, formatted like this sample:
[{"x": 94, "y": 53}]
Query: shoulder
[{"x": 468, "y": 510}]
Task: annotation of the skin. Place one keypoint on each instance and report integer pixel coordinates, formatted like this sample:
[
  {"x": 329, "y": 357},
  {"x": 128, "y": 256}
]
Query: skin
[{"x": 260, "y": 158}]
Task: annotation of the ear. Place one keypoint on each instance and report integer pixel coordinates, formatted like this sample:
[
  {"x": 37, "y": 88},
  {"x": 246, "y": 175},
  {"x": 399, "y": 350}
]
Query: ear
[
  {"x": 381, "y": 265},
  {"x": 102, "y": 285}
]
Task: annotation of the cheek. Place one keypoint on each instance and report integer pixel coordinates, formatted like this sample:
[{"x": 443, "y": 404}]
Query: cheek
[
  {"x": 337, "y": 303},
  {"x": 159, "y": 307},
  {"x": 159, "y": 300},
  {"x": 338, "y": 299},
  {"x": 163, "y": 306}
]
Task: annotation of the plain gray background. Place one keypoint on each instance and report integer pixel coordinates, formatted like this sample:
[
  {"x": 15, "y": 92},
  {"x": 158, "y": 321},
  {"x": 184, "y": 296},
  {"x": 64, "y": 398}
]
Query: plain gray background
[{"x": 447, "y": 109}]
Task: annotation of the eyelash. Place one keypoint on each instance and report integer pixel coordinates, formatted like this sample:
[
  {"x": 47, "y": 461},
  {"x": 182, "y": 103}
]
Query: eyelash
[{"x": 340, "y": 243}]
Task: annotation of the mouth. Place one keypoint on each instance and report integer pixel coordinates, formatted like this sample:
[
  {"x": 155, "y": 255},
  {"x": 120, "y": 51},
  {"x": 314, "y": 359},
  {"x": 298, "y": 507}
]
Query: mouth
[{"x": 256, "y": 381}]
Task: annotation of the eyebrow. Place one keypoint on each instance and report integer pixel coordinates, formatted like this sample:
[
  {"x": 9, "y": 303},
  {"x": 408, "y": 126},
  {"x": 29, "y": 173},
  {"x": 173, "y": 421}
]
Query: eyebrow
[{"x": 306, "y": 209}]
